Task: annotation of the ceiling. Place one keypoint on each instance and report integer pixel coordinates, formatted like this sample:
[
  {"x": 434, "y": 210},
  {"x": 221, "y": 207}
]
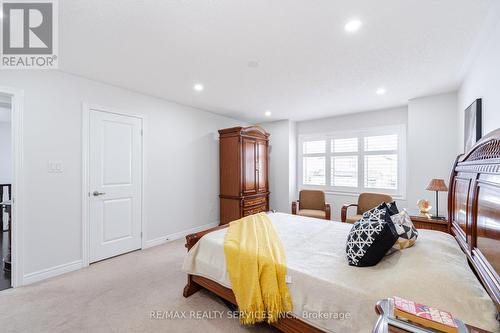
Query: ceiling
[{"x": 292, "y": 57}]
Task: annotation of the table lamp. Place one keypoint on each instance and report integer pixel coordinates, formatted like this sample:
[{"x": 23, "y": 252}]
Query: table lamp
[{"x": 437, "y": 185}]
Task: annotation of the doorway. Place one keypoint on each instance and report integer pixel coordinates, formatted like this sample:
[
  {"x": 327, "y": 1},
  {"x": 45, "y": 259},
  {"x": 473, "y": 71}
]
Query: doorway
[
  {"x": 114, "y": 185},
  {"x": 6, "y": 178}
]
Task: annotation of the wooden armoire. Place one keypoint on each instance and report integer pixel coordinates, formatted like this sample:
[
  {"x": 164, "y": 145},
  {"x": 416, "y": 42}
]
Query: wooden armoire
[{"x": 244, "y": 170}]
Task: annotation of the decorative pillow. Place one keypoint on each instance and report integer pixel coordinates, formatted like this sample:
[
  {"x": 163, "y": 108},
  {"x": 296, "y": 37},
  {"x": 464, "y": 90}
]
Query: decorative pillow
[
  {"x": 370, "y": 238},
  {"x": 392, "y": 208},
  {"x": 406, "y": 230}
]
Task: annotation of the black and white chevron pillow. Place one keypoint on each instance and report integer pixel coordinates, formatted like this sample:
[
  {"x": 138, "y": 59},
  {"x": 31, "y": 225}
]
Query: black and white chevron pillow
[
  {"x": 371, "y": 237},
  {"x": 406, "y": 230}
]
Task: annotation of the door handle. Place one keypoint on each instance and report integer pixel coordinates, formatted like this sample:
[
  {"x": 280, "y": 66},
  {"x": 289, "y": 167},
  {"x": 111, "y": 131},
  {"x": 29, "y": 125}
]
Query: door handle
[{"x": 96, "y": 193}]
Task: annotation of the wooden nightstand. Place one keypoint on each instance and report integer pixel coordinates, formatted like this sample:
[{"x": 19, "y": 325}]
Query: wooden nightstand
[{"x": 425, "y": 221}]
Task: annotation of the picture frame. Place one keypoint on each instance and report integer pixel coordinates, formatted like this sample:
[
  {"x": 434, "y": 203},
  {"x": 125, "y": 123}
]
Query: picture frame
[{"x": 472, "y": 124}]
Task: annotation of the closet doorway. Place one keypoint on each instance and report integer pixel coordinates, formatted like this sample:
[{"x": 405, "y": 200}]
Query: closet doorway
[
  {"x": 11, "y": 108},
  {"x": 5, "y": 191}
]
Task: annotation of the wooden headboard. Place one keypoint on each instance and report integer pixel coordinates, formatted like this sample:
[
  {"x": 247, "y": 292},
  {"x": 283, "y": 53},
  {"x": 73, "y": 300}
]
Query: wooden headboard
[{"x": 474, "y": 209}]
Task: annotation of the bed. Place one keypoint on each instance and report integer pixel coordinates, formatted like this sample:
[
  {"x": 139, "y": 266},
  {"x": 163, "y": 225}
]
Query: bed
[{"x": 456, "y": 271}]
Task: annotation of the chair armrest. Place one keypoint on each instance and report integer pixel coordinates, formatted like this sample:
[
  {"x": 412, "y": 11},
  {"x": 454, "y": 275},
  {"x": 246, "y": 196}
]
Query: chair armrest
[
  {"x": 328, "y": 211},
  {"x": 343, "y": 212},
  {"x": 294, "y": 207}
]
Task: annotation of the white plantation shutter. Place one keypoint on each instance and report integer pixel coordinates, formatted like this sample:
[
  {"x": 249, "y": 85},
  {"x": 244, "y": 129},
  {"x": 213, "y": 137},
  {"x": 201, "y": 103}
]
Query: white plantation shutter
[
  {"x": 381, "y": 165},
  {"x": 314, "y": 170},
  {"x": 314, "y": 162},
  {"x": 381, "y": 142},
  {"x": 355, "y": 162},
  {"x": 344, "y": 171},
  {"x": 381, "y": 171},
  {"x": 314, "y": 147},
  {"x": 344, "y": 164},
  {"x": 345, "y": 145}
]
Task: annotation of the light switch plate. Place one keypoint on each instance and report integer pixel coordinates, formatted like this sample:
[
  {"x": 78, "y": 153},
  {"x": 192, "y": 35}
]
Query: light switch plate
[{"x": 55, "y": 167}]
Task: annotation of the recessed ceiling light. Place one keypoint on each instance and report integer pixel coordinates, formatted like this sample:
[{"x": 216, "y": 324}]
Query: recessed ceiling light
[
  {"x": 267, "y": 113},
  {"x": 381, "y": 91},
  {"x": 353, "y": 25},
  {"x": 198, "y": 87}
]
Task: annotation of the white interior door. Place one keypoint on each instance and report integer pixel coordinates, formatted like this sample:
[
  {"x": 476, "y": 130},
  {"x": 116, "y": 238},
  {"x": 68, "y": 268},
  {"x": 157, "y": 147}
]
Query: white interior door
[{"x": 115, "y": 180}]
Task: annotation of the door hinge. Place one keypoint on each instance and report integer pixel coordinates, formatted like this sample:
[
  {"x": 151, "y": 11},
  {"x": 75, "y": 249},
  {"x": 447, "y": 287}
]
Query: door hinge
[
  {"x": 141, "y": 234},
  {"x": 142, "y": 133}
]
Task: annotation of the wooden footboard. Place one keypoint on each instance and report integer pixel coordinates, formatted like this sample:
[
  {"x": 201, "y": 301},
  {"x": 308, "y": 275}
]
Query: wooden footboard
[
  {"x": 289, "y": 324},
  {"x": 194, "y": 238},
  {"x": 191, "y": 239}
]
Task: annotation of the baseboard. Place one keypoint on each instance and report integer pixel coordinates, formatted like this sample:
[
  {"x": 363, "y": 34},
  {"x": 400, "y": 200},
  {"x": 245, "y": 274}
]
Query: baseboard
[
  {"x": 177, "y": 235},
  {"x": 51, "y": 272},
  {"x": 75, "y": 265}
]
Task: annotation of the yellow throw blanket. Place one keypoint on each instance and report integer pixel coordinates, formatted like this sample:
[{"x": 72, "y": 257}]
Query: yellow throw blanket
[{"x": 255, "y": 261}]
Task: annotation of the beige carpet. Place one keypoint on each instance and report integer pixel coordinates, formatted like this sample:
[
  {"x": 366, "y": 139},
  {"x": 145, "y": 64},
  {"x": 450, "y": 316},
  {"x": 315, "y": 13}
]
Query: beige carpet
[{"x": 116, "y": 295}]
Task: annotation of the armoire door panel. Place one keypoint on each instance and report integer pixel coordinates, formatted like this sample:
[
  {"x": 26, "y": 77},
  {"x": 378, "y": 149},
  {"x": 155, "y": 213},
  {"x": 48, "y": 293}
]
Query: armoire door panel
[
  {"x": 261, "y": 166},
  {"x": 230, "y": 172},
  {"x": 249, "y": 166}
]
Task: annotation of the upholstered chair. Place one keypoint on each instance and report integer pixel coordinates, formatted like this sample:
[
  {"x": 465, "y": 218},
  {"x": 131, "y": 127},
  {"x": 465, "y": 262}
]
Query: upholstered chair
[
  {"x": 312, "y": 203},
  {"x": 366, "y": 201}
]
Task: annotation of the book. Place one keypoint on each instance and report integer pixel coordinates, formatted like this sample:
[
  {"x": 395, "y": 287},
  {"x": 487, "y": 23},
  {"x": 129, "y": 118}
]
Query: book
[{"x": 424, "y": 315}]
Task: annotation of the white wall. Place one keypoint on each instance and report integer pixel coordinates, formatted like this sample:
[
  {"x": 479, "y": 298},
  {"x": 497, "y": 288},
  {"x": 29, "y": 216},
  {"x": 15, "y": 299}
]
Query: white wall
[
  {"x": 380, "y": 118},
  {"x": 281, "y": 164},
  {"x": 482, "y": 79},
  {"x": 182, "y": 184},
  {"x": 292, "y": 167},
  {"x": 5, "y": 153},
  {"x": 431, "y": 146}
]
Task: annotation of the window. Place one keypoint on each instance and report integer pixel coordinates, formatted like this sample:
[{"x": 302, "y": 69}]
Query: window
[
  {"x": 314, "y": 170},
  {"x": 314, "y": 162},
  {"x": 355, "y": 162}
]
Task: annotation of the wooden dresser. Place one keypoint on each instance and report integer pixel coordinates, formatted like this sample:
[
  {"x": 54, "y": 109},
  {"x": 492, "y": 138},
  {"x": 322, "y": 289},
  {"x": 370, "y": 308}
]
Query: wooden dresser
[{"x": 244, "y": 169}]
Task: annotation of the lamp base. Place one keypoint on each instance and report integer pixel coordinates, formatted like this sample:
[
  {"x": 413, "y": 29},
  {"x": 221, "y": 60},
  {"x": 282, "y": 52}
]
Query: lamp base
[{"x": 437, "y": 217}]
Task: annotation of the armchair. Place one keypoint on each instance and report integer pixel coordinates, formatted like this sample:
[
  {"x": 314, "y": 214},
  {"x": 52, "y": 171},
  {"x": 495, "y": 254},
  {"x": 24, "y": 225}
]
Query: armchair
[
  {"x": 312, "y": 203},
  {"x": 366, "y": 201}
]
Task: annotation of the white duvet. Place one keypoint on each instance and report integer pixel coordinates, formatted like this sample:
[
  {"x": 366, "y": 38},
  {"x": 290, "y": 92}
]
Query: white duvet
[{"x": 335, "y": 297}]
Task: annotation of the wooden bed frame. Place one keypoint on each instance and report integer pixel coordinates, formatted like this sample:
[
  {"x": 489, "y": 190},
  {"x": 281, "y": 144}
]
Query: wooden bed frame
[{"x": 474, "y": 215}]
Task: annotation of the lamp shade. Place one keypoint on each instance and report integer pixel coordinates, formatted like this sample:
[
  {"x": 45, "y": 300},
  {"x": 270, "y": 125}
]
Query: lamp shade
[{"x": 437, "y": 185}]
